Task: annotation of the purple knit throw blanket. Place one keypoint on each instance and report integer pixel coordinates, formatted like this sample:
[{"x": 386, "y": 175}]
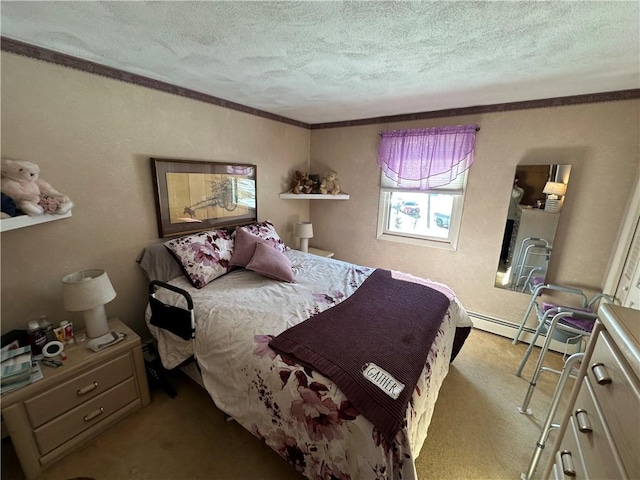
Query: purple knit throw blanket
[{"x": 372, "y": 344}]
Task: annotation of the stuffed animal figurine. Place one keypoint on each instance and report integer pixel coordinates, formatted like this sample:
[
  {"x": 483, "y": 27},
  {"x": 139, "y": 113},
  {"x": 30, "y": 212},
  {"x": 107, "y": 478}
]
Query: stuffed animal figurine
[
  {"x": 299, "y": 182},
  {"x": 308, "y": 185},
  {"x": 330, "y": 183},
  {"x": 34, "y": 196}
]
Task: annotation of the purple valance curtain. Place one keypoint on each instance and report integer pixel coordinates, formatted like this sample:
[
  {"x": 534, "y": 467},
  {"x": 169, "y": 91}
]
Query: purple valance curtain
[{"x": 427, "y": 157}]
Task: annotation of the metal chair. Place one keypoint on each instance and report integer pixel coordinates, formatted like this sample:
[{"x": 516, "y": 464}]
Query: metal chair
[
  {"x": 572, "y": 362},
  {"x": 536, "y": 277},
  {"x": 534, "y": 255},
  {"x": 568, "y": 324}
]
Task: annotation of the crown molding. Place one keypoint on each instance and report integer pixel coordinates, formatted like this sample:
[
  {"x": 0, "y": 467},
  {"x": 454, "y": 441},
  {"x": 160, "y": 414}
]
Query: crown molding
[{"x": 482, "y": 109}]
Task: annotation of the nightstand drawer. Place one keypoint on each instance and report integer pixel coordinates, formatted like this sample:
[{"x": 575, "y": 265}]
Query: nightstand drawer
[
  {"x": 619, "y": 401},
  {"x": 72, "y": 393},
  {"x": 68, "y": 425}
]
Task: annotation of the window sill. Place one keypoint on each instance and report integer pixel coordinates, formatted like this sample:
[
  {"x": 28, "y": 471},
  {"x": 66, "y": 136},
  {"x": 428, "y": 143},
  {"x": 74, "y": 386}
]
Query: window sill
[
  {"x": 422, "y": 242},
  {"x": 22, "y": 221}
]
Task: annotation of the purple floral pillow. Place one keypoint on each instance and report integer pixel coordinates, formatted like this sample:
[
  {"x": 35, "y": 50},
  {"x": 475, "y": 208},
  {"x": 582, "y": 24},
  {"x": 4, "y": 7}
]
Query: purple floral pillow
[
  {"x": 266, "y": 231},
  {"x": 204, "y": 256},
  {"x": 271, "y": 263}
]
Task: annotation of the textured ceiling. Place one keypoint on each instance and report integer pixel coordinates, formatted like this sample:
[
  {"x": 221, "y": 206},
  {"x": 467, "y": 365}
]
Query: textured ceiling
[{"x": 331, "y": 61}]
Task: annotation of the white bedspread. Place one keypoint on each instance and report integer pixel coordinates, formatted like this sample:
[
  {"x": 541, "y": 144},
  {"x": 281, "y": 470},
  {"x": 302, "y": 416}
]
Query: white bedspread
[{"x": 298, "y": 412}]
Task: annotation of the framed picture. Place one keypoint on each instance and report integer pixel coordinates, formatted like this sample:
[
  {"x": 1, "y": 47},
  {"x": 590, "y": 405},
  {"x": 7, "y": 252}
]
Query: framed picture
[{"x": 192, "y": 196}]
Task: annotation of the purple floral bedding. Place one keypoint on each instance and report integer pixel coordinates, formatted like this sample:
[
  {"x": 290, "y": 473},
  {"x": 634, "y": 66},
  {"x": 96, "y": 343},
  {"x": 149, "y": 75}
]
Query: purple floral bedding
[{"x": 298, "y": 412}]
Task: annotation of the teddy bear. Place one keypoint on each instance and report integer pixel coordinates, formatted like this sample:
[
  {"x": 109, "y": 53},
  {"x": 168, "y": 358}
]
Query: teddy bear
[
  {"x": 301, "y": 183},
  {"x": 32, "y": 195},
  {"x": 308, "y": 185},
  {"x": 330, "y": 183}
]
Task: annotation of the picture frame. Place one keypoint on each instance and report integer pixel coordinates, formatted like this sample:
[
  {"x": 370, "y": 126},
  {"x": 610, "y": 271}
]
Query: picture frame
[{"x": 192, "y": 196}]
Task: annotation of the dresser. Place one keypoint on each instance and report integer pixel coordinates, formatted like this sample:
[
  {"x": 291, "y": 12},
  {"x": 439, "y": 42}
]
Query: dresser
[
  {"x": 599, "y": 435},
  {"x": 75, "y": 402}
]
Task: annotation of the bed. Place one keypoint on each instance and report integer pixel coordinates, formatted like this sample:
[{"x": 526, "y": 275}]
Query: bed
[{"x": 299, "y": 412}]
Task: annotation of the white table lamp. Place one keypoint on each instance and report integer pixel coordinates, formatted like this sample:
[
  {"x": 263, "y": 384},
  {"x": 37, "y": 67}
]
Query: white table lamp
[
  {"x": 304, "y": 231},
  {"x": 553, "y": 190},
  {"x": 88, "y": 291}
]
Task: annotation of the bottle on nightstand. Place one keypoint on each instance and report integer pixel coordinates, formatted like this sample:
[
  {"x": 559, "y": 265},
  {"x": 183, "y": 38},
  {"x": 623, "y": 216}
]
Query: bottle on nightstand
[{"x": 37, "y": 338}]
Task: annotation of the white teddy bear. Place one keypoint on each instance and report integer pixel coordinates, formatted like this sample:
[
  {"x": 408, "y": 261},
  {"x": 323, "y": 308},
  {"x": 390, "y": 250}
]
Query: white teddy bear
[{"x": 20, "y": 181}]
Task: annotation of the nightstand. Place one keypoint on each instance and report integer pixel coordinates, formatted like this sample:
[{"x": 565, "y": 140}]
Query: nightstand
[
  {"x": 320, "y": 253},
  {"x": 77, "y": 401}
]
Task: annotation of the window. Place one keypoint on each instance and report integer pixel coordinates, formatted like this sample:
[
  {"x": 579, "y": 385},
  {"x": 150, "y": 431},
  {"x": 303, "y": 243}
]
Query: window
[
  {"x": 421, "y": 217},
  {"x": 424, "y": 174}
]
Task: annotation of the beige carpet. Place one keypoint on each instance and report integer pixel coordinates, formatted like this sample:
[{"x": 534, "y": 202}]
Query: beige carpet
[{"x": 476, "y": 431}]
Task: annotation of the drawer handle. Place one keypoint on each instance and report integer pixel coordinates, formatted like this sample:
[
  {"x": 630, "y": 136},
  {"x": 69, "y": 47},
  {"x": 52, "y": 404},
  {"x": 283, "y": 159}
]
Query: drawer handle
[
  {"x": 87, "y": 389},
  {"x": 93, "y": 415},
  {"x": 582, "y": 417},
  {"x": 567, "y": 463},
  {"x": 600, "y": 372}
]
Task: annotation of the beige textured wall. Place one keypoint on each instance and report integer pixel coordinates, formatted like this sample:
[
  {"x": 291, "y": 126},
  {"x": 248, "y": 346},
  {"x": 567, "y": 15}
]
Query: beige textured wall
[
  {"x": 600, "y": 141},
  {"x": 92, "y": 138}
]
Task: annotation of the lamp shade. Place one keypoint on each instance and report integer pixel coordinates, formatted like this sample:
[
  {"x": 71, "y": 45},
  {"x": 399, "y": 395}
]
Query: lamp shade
[
  {"x": 555, "y": 188},
  {"x": 86, "y": 290},
  {"x": 304, "y": 230}
]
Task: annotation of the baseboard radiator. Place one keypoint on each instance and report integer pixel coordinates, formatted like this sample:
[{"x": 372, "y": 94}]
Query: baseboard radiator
[{"x": 506, "y": 329}]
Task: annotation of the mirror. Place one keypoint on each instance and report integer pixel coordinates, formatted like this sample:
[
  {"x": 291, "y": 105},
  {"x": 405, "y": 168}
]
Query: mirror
[{"x": 535, "y": 203}]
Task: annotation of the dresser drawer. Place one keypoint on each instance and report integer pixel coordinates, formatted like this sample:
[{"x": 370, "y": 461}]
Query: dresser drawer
[
  {"x": 72, "y": 393},
  {"x": 573, "y": 456},
  {"x": 619, "y": 401},
  {"x": 68, "y": 425},
  {"x": 600, "y": 457}
]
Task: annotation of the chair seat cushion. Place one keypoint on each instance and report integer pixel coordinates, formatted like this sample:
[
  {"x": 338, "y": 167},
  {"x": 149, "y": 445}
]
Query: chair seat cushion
[
  {"x": 585, "y": 324},
  {"x": 535, "y": 281}
]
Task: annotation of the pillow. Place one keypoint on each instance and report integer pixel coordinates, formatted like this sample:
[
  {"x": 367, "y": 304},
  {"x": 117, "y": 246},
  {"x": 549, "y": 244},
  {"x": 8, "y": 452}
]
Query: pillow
[
  {"x": 266, "y": 231},
  {"x": 204, "y": 256},
  {"x": 271, "y": 263},
  {"x": 159, "y": 264},
  {"x": 244, "y": 248}
]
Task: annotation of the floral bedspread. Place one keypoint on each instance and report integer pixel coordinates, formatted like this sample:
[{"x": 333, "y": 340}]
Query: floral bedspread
[{"x": 298, "y": 412}]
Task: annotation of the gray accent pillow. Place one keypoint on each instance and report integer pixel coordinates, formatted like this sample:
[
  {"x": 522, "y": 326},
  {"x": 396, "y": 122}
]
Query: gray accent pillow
[{"x": 158, "y": 263}]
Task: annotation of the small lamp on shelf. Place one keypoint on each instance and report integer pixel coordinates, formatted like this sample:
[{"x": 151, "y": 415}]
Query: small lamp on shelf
[
  {"x": 304, "y": 231},
  {"x": 87, "y": 291},
  {"x": 553, "y": 190}
]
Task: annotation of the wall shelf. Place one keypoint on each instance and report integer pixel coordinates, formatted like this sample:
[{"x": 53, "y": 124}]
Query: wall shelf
[
  {"x": 313, "y": 196},
  {"x": 22, "y": 221}
]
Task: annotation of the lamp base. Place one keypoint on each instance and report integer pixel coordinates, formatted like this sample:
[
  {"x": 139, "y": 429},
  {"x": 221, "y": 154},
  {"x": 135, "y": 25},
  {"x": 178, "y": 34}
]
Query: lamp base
[
  {"x": 552, "y": 205},
  {"x": 304, "y": 245},
  {"x": 95, "y": 321}
]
